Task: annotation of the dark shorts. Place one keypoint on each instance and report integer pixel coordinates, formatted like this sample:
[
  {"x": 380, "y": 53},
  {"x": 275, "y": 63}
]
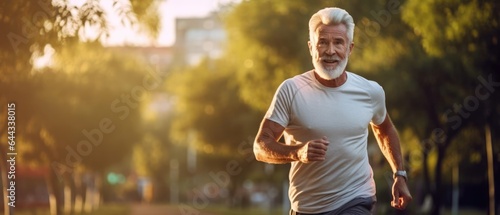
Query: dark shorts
[{"x": 357, "y": 206}]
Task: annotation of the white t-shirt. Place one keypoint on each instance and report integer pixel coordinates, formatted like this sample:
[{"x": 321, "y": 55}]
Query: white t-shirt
[{"x": 308, "y": 110}]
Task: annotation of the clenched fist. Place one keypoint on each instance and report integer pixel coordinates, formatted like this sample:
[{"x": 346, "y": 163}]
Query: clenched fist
[{"x": 313, "y": 150}]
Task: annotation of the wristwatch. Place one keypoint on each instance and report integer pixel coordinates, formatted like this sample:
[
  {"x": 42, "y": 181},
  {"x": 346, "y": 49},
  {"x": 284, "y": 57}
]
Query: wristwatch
[{"x": 401, "y": 173}]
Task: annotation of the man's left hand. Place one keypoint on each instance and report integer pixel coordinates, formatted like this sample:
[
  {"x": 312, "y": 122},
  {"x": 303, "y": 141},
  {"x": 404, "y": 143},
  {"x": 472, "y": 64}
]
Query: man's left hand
[{"x": 400, "y": 194}]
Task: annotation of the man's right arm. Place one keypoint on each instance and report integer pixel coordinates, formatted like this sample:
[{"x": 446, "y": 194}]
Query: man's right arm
[{"x": 267, "y": 148}]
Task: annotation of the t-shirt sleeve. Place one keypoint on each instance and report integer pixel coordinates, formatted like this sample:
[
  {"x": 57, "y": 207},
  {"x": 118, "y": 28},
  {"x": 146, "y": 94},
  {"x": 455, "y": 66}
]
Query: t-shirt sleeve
[
  {"x": 279, "y": 110},
  {"x": 378, "y": 103}
]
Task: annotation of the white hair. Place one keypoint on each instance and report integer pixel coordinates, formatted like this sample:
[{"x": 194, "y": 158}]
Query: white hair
[{"x": 331, "y": 16}]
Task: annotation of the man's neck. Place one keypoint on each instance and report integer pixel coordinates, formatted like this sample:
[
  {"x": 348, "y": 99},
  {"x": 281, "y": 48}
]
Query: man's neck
[{"x": 337, "y": 82}]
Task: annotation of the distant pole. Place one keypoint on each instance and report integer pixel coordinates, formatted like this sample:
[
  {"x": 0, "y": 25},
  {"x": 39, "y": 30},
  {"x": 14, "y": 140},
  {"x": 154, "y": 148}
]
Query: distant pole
[
  {"x": 174, "y": 181},
  {"x": 456, "y": 194},
  {"x": 191, "y": 157},
  {"x": 491, "y": 174}
]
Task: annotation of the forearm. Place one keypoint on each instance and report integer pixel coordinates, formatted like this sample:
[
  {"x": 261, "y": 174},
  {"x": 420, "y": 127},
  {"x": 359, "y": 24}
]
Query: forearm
[
  {"x": 267, "y": 148},
  {"x": 389, "y": 143},
  {"x": 271, "y": 151},
  {"x": 391, "y": 149}
]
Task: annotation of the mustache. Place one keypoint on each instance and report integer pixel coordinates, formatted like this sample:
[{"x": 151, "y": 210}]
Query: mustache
[{"x": 330, "y": 58}]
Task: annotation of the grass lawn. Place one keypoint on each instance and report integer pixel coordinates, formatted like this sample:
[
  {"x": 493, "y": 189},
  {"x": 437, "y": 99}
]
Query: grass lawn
[
  {"x": 110, "y": 209},
  {"x": 126, "y": 209},
  {"x": 115, "y": 209},
  {"x": 465, "y": 211},
  {"x": 224, "y": 210}
]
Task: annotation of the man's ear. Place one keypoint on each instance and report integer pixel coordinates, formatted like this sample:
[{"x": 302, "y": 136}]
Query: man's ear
[
  {"x": 351, "y": 47},
  {"x": 310, "y": 47}
]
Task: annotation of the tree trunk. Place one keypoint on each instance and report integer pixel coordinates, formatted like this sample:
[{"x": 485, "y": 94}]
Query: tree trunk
[
  {"x": 426, "y": 172},
  {"x": 7, "y": 210},
  {"x": 491, "y": 173},
  {"x": 97, "y": 194},
  {"x": 55, "y": 194},
  {"x": 88, "y": 184},
  {"x": 67, "y": 199},
  {"x": 78, "y": 205},
  {"x": 425, "y": 207},
  {"x": 92, "y": 194},
  {"x": 5, "y": 169},
  {"x": 438, "y": 183},
  {"x": 89, "y": 199}
]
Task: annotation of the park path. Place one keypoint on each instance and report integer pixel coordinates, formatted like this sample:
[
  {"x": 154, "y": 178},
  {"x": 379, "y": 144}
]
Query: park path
[{"x": 153, "y": 209}]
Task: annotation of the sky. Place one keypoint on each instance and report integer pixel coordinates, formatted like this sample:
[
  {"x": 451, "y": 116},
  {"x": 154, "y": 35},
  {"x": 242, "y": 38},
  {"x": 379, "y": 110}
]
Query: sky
[
  {"x": 126, "y": 35},
  {"x": 169, "y": 10}
]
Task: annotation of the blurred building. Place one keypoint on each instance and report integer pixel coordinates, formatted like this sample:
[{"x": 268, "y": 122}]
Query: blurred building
[
  {"x": 159, "y": 57},
  {"x": 197, "y": 38}
]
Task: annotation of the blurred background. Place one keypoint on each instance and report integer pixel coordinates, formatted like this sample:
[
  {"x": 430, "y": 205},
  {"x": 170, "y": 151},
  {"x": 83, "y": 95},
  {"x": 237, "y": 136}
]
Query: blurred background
[{"x": 151, "y": 107}]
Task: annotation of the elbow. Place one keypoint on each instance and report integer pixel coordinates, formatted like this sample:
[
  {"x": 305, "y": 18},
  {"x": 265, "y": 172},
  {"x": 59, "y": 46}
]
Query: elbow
[
  {"x": 259, "y": 158},
  {"x": 258, "y": 152}
]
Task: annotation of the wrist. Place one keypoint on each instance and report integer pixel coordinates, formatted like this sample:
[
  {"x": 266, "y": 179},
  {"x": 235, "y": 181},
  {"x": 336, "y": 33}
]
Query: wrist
[
  {"x": 300, "y": 152},
  {"x": 400, "y": 174},
  {"x": 296, "y": 154}
]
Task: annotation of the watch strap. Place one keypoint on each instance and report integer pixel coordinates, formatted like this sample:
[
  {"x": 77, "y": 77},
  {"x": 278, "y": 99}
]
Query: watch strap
[{"x": 401, "y": 173}]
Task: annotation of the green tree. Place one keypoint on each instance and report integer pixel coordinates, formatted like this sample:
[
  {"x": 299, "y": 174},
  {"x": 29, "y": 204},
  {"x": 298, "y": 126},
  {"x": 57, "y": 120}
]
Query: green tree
[
  {"x": 85, "y": 114},
  {"x": 456, "y": 32},
  {"x": 27, "y": 28},
  {"x": 207, "y": 102},
  {"x": 213, "y": 120}
]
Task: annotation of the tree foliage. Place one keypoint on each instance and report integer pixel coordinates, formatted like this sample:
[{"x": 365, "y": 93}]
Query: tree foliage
[
  {"x": 429, "y": 56},
  {"x": 92, "y": 98},
  {"x": 207, "y": 103},
  {"x": 72, "y": 116},
  {"x": 268, "y": 42},
  {"x": 84, "y": 79},
  {"x": 462, "y": 45}
]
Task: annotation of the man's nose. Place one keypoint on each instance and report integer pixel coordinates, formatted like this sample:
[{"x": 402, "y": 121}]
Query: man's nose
[{"x": 330, "y": 49}]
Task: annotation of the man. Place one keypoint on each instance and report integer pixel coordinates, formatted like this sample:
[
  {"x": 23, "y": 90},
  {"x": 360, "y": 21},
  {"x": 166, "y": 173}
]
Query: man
[{"x": 324, "y": 114}]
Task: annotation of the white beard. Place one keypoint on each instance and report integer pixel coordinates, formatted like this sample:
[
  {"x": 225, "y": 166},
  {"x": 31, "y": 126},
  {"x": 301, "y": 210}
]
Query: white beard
[{"x": 330, "y": 74}]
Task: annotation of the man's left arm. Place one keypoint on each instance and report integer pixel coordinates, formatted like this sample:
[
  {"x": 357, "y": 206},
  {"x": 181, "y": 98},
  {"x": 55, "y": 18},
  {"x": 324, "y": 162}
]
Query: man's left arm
[{"x": 388, "y": 141}]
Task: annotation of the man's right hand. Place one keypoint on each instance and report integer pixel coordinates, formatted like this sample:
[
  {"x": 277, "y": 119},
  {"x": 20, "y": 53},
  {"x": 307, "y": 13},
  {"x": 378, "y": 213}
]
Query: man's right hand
[{"x": 313, "y": 150}]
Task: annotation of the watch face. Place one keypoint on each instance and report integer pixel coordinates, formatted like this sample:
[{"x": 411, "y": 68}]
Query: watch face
[{"x": 400, "y": 173}]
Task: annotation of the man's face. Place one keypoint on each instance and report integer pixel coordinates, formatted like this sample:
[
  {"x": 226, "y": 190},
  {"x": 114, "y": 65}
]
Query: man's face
[{"x": 331, "y": 51}]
